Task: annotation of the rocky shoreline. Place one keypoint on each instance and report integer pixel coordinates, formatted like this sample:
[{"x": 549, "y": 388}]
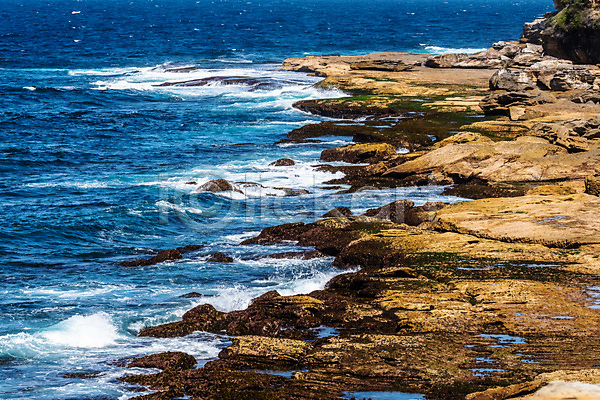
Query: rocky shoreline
[{"x": 495, "y": 298}]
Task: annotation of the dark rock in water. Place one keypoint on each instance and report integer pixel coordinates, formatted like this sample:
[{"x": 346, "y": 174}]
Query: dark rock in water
[
  {"x": 191, "y": 183},
  {"x": 192, "y": 295},
  {"x": 169, "y": 360},
  {"x": 298, "y": 255},
  {"x": 216, "y": 186},
  {"x": 276, "y": 234},
  {"x": 395, "y": 212},
  {"x": 220, "y": 258},
  {"x": 381, "y": 65},
  {"x": 214, "y": 80},
  {"x": 165, "y": 255},
  {"x": 293, "y": 192},
  {"x": 338, "y": 212},
  {"x": 283, "y": 162}
]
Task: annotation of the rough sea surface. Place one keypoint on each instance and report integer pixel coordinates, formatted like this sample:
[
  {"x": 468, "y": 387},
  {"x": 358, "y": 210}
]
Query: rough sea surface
[{"x": 95, "y": 161}]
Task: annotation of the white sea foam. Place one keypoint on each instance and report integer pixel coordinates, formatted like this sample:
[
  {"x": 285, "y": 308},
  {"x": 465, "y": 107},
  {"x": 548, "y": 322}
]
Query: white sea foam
[
  {"x": 91, "y": 331},
  {"x": 79, "y": 331},
  {"x": 163, "y": 204},
  {"x": 450, "y": 50}
]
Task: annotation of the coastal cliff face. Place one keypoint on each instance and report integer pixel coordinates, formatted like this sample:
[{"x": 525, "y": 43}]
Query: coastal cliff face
[{"x": 573, "y": 32}]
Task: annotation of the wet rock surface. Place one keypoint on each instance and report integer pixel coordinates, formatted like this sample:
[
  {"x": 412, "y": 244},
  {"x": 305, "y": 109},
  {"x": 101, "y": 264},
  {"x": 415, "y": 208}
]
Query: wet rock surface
[{"x": 487, "y": 299}]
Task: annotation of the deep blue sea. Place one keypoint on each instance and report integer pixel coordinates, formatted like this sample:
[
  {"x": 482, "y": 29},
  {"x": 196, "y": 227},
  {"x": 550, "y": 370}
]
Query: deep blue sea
[{"x": 95, "y": 161}]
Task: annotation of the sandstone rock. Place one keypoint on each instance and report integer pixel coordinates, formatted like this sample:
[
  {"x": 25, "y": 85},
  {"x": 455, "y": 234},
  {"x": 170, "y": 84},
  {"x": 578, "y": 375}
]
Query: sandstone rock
[
  {"x": 574, "y": 135},
  {"x": 360, "y": 153},
  {"x": 283, "y": 162},
  {"x": 500, "y": 103},
  {"x": 338, "y": 212},
  {"x": 592, "y": 185},
  {"x": 517, "y": 113},
  {"x": 446, "y": 60},
  {"x": 554, "y": 221},
  {"x": 219, "y": 257},
  {"x": 381, "y": 65},
  {"x": 508, "y": 49},
  {"x": 526, "y": 159},
  {"x": 574, "y": 79},
  {"x": 532, "y": 31},
  {"x": 549, "y": 386},
  {"x": 463, "y": 137},
  {"x": 166, "y": 361},
  {"x": 513, "y": 80}
]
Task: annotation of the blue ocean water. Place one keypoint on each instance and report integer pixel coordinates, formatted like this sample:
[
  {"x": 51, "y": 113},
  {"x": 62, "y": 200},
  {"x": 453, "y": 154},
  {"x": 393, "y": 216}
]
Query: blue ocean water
[{"x": 96, "y": 161}]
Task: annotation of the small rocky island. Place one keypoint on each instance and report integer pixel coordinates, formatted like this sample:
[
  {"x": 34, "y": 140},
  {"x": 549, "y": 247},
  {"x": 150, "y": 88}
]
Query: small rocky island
[{"x": 490, "y": 299}]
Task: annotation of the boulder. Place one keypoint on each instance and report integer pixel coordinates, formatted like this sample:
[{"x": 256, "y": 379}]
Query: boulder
[
  {"x": 425, "y": 214},
  {"x": 446, "y": 60},
  {"x": 395, "y": 212},
  {"x": 507, "y": 49},
  {"x": 573, "y": 79},
  {"x": 360, "y": 153},
  {"x": 216, "y": 186},
  {"x": 532, "y": 31},
  {"x": 513, "y": 80},
  {"x": 283, "y": 162}
]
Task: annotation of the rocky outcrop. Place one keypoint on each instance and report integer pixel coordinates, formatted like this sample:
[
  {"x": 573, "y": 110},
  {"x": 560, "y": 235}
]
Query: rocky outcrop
[
  {"x": 573, "y": 32},
  {"x": 555, "y": 221}
]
